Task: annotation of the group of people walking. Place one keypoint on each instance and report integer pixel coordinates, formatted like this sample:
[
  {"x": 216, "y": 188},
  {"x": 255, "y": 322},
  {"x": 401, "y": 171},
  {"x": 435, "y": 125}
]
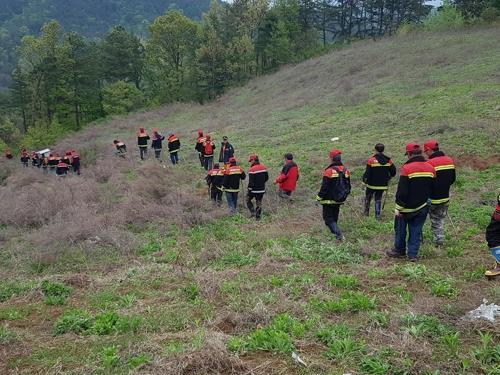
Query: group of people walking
[
  {"x": 143, "y": 138},
  {"x": 50, "y": 162},
  {"x": 423, "y": 189}
]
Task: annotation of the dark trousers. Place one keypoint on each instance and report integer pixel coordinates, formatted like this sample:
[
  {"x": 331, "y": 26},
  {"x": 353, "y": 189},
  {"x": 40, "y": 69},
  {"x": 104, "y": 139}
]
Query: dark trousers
[
  {"x": 202, "y": 159},
  {"x": 143, "y": 152},
  {"x": 158, "y": 154},
  {"x": 412, "y": 223},
  {"x": 216, "y": 196},
  {"x": 174, "y": 157},
  {"x": 232, "y": 201},
  {"x": 378, "y": 201},
  {"x": 331, "y": 217},
  {"x": 208, "y": 160},
  {"x": 257, "y": 210}
]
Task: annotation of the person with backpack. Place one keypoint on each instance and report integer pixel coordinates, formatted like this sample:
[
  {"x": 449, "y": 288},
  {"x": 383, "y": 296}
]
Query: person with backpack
[
  {"x": 157, "y": 144},
  {"x": 233, "y": 175},
  {"x": 335, "y": 189},
  {"x": 62, "y": 169},
  {"x": 142, "y": 143},
  {"x": 440, "y": 196},
  {"x": 208, "y": 152},
  {"x": 257, "y": 178},
  {"x": 174, "y": 145},
  {"x": 8, "y": 154},
  {"x": 199, "y": 147},
  {"x": 379, "y": 171},
  {"x": 493, "y": 240},
  {"x": 416, "y": 182},
  {"x": 287, "y": 180},
  {"x": 226, "y": 151},
  {"x": 35, "y": 160},
  {"x": 215, "y": 178}
]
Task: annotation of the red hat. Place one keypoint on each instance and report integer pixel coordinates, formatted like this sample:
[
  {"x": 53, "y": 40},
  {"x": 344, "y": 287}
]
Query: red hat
[
  {"x": 431, "y": 145},
  {"x": 208, "y": 138},
  {"x": 232, "y": 160},
  {"x": 252, "y": 158},
  {"x": 410, "y": 147},
  {"x": 200, "y": 132},
  {"x": 334, "y": 153}
]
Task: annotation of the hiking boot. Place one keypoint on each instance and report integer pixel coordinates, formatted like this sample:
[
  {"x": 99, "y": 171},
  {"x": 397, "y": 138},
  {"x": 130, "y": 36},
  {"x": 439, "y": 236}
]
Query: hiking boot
[
  {"x": 494, "y": 272},
  {"x": 413, "y": 259},
  {"x": 395, "y": 254}
]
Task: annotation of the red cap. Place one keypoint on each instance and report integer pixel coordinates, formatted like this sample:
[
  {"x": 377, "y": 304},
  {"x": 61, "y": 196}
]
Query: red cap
[
  {"x": 334, "y": 153},
  {"x": 252, "y": 158},
  {"x": 431, "y": 145},
  {"x": 208, "y": 138},
  {"x": 410, "y": 147},
  {"x": 232, "y": 160},
  {"x": 200, "y": 132}
]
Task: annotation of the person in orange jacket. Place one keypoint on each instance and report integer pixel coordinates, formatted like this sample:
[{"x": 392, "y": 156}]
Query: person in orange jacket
[
  {"x": 25, "y": 158},
  {"x": 199, "y": 147},
  {"x": 142, "y": 143}
]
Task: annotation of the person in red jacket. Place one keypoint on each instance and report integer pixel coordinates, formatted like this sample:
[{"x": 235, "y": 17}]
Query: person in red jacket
[
  {"x": 75, "y": 162},
  {"x": 287, "y": 180},
  {"x": 257, "y": 178},
  {"x": 415, "y": 186},
  {"x": 440, "y": 197},
  {"x": 8, "y": 154},
  {"x": 208, "y": 152},
  {"x": 493, "y": 239}
]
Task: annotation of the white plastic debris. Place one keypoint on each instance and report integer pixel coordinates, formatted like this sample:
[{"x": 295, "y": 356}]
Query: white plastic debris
[
  {"x": 335, "y": 139},
  {"x": 297, "y": 359},
  {"x": 485, "y": 311}
]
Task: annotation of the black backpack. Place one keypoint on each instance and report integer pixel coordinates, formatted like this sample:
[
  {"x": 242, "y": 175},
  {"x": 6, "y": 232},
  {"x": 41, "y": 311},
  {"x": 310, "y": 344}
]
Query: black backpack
[{"x": 342, "y": 187}]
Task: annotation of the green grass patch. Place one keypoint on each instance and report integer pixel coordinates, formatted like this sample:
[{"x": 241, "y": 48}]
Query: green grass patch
[
  {"x": 55, "y": 293},
  {"x": 83, "y": 323},
  {"x": 347, "y": 302}
]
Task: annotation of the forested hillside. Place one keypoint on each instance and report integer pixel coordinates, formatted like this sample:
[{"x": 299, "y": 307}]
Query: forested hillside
[
  {"x": 129, "y": 268},
  {"x": 91, "y": 18}
]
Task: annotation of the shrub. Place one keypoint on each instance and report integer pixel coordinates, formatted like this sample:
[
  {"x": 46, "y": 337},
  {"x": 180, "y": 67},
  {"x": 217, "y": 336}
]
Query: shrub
[
  {"x": 75, "y": 321},
  {"x": 42, "y": 136},
  {"x": 490, "y": 14},
  {"x": 449, "y": 17},
  {"x": 121, "y": 97},
  {"x": 55, "y": 293}
]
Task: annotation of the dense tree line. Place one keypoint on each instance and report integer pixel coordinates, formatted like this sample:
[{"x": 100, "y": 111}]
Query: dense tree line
[
  {"x": 90, "y": 18},
  {"x": 63, "y": 80}
]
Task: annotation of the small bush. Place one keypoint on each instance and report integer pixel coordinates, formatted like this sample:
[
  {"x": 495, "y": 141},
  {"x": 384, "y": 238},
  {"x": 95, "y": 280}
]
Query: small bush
[
  {"x": 55, "y": 293},
  {"x": 121, "y": 97},
  {"x": 449, "y": 17},
  {"x": 75, "y": 321}
]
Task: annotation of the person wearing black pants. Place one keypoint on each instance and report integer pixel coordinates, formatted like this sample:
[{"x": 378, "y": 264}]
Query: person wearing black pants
[{"x": 257, "y": 178}]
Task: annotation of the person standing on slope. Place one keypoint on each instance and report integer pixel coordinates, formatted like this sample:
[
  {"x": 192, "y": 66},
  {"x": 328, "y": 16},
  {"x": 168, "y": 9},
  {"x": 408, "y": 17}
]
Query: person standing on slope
[
  {"x": 121, "y": 148},
  {"x": 257, "y": 178},
  {"x": 493, "y": 239},
  {"x": 335, "y": 189},
  {"x": 287, "y": 180},
  {"x": 174, "y": 145},
  {"x": 157, "y": 144},
  {"x": 199, "y": 147},
  {"x": 142, "y": 143},
  {"x": 226, "y": 151},
  {"x": 233, "y": 175},
  {"x": 75, "y": 162},
  {"x": 35, "y": 160},
  {"x": 8, "y": 154},
  {"x": 416, "y": 182},
  {"x": 25, "y": 158},
  {"x": 379, "y": 171},
  {"x": 214, "y": 180},
  {"x": 208, "y": 153},
  {"x": 440, "y": 197}
]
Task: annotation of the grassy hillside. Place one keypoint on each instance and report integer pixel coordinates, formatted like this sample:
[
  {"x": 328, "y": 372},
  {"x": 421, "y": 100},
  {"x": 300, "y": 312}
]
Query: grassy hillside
[{"x": 129, "y": 268}]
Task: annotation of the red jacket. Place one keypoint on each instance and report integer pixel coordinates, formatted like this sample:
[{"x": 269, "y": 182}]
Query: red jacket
[{"x": 289, "y": 176}]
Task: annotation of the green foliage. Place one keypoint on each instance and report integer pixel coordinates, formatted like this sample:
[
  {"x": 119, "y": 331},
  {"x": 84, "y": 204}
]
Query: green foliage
[
  {"x": 12, "y": 288},
  {"x": 443, "y": 287},
  {"x": 81, "y": 322},
  {"x": 348, "y": 301},
  {"x": 110, "y": 357},
  {"x": 425, "y": 326},
  {"x": 449, "y": 17},
  {"x": 140, "y": 360},
  {"x": 451, "y": 341},
  {"x": 121, "y": 98},
  {"x": 344, "y": 281},
  {"x": 375, "y": 365},
  {"x": 6, "y": 335},
  {"x": 41, "y": 136},
  {"x": 380, "y": 319},
  {"x": 276, "y": 338},
  {"x": 488, "y": 353},
  {"x": 55, "y": 293},
  {"x": 344, "y": 348}
]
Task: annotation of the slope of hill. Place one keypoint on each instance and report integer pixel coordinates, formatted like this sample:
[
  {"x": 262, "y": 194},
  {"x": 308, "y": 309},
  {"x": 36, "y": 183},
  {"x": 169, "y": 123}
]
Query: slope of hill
[
  {"x": 89, "y": 18},
  {"x": 145, "y": 274}
]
